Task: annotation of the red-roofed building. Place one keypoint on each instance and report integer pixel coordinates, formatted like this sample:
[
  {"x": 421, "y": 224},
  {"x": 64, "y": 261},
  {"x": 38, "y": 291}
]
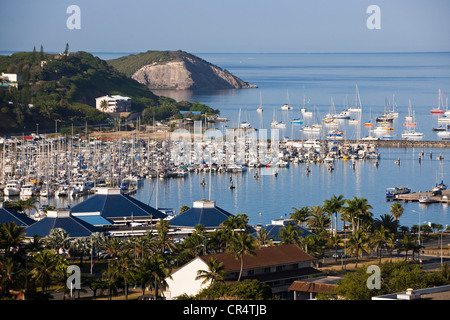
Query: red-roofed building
[{"x": 278, "y": 266}]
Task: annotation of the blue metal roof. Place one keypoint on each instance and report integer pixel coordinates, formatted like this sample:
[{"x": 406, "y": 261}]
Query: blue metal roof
[
  {"x": 9, "y": 215},
  {"x": 117, "y": 206},
  {"x": 207, "y": 217},
  {"x": 72, "y": 225},
  {"x": 95, "y": 220}
]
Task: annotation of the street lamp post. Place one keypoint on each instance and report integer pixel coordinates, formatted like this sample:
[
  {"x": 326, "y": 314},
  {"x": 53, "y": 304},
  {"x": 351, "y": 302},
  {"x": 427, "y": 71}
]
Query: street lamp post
[{"x": 418, "y": 233}]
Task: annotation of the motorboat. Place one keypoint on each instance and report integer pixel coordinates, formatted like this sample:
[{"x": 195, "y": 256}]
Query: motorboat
[
  {"x": 12, "y": 188},
  {"x": 392, "y": 192},
  {"x": 28, "y": 189}
]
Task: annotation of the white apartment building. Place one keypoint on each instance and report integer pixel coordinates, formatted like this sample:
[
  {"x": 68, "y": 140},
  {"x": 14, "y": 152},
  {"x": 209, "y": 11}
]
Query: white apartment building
[{"x": 114, "y": 103}]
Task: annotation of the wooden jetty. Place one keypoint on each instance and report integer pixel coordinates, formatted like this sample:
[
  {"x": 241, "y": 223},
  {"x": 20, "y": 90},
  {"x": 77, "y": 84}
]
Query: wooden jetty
[{"x": 429, "y": 195}]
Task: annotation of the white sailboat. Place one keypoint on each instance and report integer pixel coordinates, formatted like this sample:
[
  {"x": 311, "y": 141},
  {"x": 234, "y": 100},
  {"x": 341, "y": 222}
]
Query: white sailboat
[
  {"x": 358, "y": 106},
  {"x": 305, "y": 111},
  {"x": 286, "y": 106},
  {"x": 275, "y": 123},
  {"x": 313, "y": 128},
  {"x": 410, "y": 128},
  {"x": 260, "y": 108}
]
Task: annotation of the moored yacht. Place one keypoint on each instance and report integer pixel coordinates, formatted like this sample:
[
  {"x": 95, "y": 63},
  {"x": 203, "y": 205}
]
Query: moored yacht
[
  {"x": 28, "y": 189},
  {"x": 12, "y": 188}
]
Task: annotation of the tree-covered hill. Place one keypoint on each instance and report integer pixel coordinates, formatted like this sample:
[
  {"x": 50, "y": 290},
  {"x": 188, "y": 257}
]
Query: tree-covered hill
[{"x": 64, "y": 87}]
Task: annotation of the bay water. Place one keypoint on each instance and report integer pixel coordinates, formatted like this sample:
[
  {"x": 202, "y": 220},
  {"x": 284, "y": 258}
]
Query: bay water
[{"x": 384, "y": 80}]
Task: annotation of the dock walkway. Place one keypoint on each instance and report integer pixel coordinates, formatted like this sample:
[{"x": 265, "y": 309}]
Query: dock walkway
[{"x": 416, "y": 196}]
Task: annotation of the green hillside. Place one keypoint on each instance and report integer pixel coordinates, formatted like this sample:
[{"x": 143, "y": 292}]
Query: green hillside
[
  {"x": 133, "y": 62},
  {"x": 64, "y": 87}
]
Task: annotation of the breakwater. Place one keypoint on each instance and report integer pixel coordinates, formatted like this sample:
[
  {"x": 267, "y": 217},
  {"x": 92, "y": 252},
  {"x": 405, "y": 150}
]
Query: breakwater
[{"x": 408, "y": 143}]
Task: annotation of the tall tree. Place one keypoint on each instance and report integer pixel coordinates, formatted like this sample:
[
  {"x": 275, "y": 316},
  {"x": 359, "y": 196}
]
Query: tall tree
[
  {"x": 358, "y": 243},
  {"x": 214, "y": 273},
  {"x": 241, "y": 244},
  {"x": 334, "y": 206},
  {"x": 396, "y": 210}
]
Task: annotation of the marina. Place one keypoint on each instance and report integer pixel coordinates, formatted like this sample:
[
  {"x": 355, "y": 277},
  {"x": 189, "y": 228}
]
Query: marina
[{"x": 243, "y": 179}]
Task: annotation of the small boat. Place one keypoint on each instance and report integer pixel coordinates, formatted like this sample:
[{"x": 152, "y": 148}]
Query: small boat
[
  {"x": 259, "y": 109},
  {"x": 335, "y": 135},
  {"x": 440, "y": 128},
  {"x": 438, "y": 109},
  {"x": 343, "y": 115},
  {"x": 314, "y": 128},
  {"x": 392, "y": 192},
  {"x": 245, "y": 125},
  {"x": 286, "y": 107},
  {"x": 441, "y": 185},
  {"x": 425, "y": 199},
  {"x": 297, "y": 121},
  {"x": 277, "y": 124}
]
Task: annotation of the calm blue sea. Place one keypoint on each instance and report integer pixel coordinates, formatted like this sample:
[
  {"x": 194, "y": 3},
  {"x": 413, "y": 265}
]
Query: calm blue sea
[{"x": 381, "y": 78}]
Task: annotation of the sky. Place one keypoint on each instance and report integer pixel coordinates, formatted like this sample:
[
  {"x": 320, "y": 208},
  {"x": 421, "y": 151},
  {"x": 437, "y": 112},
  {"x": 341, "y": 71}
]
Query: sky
[{"x": 206, "y": 26}]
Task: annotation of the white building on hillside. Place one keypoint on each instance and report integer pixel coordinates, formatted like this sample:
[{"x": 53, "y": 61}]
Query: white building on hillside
[{"x": 113, "y": 103}]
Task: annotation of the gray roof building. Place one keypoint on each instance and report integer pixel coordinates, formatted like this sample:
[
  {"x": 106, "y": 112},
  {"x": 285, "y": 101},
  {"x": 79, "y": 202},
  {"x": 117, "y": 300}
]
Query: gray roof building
[
  {"x": 63, "y": 219},
  {"x": 10, "y": 215},
  {"x": 203, "y": 212}
]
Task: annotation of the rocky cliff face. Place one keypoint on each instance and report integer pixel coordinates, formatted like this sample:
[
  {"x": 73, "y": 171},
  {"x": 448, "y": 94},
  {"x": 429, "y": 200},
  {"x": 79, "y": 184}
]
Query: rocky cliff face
[{"x": 187, "y": 72}]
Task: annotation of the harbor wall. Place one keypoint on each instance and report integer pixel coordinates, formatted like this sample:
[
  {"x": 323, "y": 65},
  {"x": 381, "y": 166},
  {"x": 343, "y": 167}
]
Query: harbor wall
[{"x": 408, "y": 144}]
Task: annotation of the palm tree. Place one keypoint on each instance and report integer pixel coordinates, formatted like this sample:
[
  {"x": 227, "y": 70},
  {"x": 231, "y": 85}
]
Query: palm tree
[
  {"x": 336, "y": 242},
  {"x": 289, "y": 234},
  {"x": 58, "y": 239},
  {"x": 318, "y": 219},
  {"x": 396, "y": 210},
  {"x": 80, "y": 246},
  {"x": 242, "y": 244},
  {"x": 357, "y": 209},
  {"x": 163, "y": 242},
  {"x": 358, "y": 243},
  {"x": 263, "y": 238},
  {"x": 104, "y": 105},
  {"x": 44, "y": 266},
  {"x": 388, "y": 222},
  {"x": 235, "y": 222},
  {"x": 380, "y": 239},
  {"x": 10, "y": 275},
  {"x": 11, "y": 236},
  {"x": 300, "y": 215},
  {"x": 30, "y": 204},
  {"x": 114, "y": 246},
  {"x": 125, "y": 266},
  {"x": 158, "y": 271},
  {"x": 214, "y": 273},
  {"x": 334, "y": 206},
  {"x": 409, "y": 244}
]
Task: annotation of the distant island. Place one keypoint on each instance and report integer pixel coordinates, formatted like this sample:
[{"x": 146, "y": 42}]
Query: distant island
[
  {"x": 177, "y": 70},
  {"x": 45, "y": 92}
]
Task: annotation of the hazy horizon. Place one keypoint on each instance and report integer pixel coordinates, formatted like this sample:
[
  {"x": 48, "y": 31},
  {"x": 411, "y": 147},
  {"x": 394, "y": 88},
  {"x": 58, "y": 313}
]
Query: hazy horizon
[{"x": 204, "y": 26}]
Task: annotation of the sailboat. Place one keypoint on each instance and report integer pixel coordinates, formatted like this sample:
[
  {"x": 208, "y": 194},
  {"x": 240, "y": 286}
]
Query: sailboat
[
  {"x": 297, "y": 120},
  {"x": 447, "y": 112},
  {"x": 315, "y": 127},
  {"x": 306, "y": 112},
  {"x": 358, "y": 106},
  {"x": 286, "y": 106},
  {"x": 275, "y": 123},
  {"x": 410, "y": 131},
  {"x": 438, "y": 109},
  {"x": 260, "y": 109}
]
